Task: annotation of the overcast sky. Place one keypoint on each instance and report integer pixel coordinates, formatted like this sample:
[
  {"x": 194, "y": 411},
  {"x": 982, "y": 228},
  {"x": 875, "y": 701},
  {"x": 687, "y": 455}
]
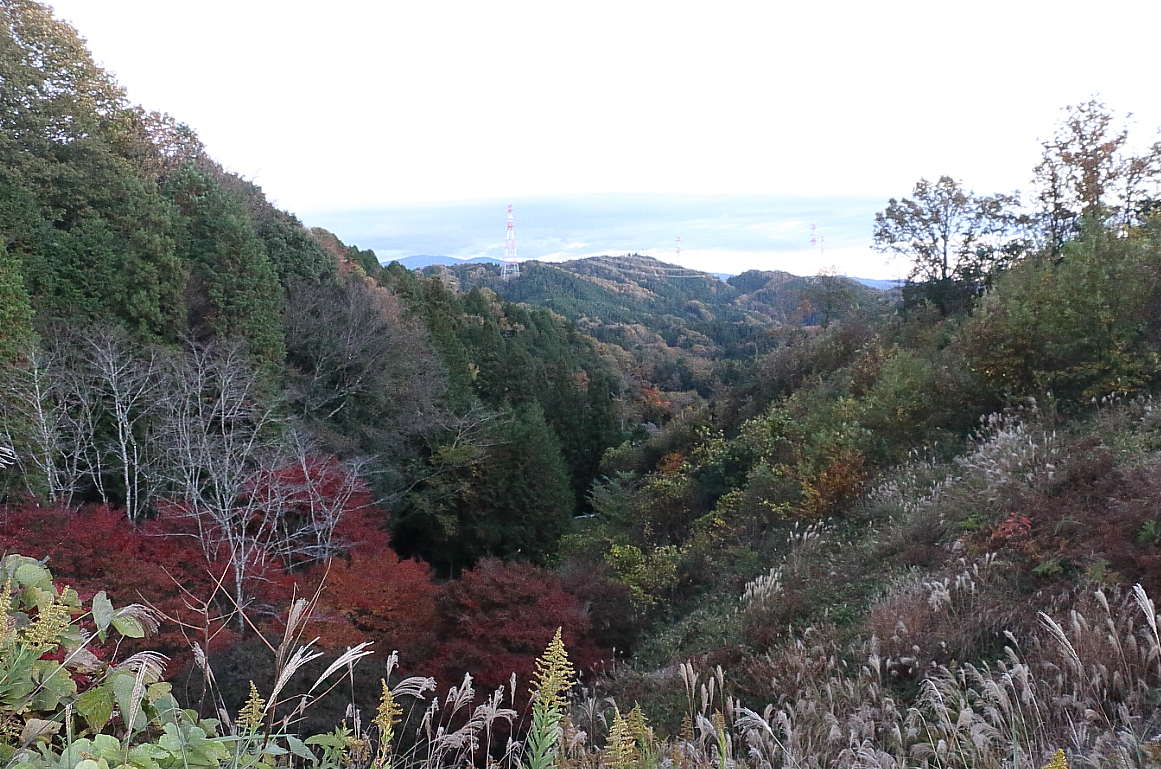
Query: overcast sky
[{"x": 344, "y": 106}]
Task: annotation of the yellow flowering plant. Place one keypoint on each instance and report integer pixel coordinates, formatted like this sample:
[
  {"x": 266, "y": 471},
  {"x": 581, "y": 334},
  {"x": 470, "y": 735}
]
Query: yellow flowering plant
[{"x": 554, "y": 677}]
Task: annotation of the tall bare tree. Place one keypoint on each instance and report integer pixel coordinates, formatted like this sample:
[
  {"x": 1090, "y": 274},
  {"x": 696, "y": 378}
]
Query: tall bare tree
[
  {"x": 125, "y": 381},
  {"x": 310, "y": 493},
  {"x": 44, "y": 421},
  {"x": 219, "y": 435},
  {"x": 363, "y": 374},
  {"x": 254, "y": 489},
  {"x": 77, "y": 408}
]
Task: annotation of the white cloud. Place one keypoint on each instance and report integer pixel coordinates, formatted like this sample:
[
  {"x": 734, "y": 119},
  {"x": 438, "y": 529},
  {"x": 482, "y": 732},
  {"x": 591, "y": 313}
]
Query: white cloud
[{"x": 360, "y": 102}]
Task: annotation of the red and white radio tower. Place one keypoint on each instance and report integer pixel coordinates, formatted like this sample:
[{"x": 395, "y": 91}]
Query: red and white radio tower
[
  {"x": 679, "y": 245},
  {"x": 510, "y": 268}
]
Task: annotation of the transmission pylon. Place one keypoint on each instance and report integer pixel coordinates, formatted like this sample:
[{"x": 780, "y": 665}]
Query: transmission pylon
[{"x": 510, "y": 268}]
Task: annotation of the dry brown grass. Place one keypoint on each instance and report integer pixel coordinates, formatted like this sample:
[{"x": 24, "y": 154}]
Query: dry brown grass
[{"x": 1087, "y": 680}]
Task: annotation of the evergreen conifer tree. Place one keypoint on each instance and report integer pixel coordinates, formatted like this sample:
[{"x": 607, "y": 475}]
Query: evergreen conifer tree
[
  {"x": 15, "y": 309},
  {"x": 233, "y": 290}
]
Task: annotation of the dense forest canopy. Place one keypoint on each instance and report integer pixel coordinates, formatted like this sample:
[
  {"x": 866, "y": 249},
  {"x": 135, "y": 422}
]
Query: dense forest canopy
[{"x": 849, "y": 503}]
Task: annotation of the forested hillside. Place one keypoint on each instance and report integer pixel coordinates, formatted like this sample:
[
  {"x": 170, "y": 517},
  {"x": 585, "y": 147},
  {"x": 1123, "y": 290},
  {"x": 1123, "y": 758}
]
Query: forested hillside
[
  {"x": 195, "y": 383},
  {"x": 683, "y": 330},
  {"x": 779, "y": 521}
]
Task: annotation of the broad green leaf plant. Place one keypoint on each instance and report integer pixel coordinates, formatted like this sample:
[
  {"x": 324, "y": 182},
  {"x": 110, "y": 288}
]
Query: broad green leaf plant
[{"x": 62, "y": 707}]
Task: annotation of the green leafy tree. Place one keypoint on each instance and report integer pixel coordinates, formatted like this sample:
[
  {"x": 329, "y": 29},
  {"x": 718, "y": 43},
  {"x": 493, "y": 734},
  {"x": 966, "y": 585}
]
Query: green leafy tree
[
  {"x": 79, "y": 209},
  {"x": 953, "y": 238},
  {"x": 1086, "y": 174},
  {"x": 297, "y": 257},
  {"x": 1081, "y": 327},
  {"x": 436, "y": 304},
  {"x": 830, "y": 296},
  {"x": 505, "y": 495},
  {"x": 524, "y": 356},
  {"x": 51, "y": 90},
  {"x": 366, "y": 260}
]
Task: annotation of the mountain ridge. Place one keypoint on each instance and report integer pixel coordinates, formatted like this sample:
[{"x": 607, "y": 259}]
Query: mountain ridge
[
  {"x": 675, "y": 324},
  {"x": 421, "y": 261}
]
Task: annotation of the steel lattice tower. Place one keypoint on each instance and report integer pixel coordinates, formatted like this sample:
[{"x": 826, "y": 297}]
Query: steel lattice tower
[{"x": 510, "y": 268}]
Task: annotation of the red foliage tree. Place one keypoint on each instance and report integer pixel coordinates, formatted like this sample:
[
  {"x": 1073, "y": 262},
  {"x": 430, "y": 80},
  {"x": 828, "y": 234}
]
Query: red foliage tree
[
  {"x": 615, "y": 622},
  {"x": 95, "y": 549},
  {"x": 493, "y": 621},
  {"x": 497, "y": 619},
  {"x": 178, "y": 565},
  {"x": 372, "y": 595}
]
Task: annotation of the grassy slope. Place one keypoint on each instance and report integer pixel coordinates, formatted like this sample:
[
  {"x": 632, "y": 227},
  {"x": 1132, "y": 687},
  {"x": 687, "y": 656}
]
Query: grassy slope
[{"x": 915, "y": 618}]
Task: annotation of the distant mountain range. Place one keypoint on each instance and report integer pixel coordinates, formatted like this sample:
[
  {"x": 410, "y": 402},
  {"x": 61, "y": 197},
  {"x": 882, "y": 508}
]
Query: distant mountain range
[
  {"x": 882, "y": 285},
  {"x": 674, "y": 321},
  {"x": 419, "y": 262},
  {"x": 422, "y": 261}
]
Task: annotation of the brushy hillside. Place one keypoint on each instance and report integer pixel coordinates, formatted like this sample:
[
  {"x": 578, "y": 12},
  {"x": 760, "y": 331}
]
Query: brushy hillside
[{"x": 980, "y": 612}]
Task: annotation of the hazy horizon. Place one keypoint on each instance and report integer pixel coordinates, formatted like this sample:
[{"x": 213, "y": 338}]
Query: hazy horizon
[
  {"x": 719, "y": 233},
  {"x": 551, "y": 106}
]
